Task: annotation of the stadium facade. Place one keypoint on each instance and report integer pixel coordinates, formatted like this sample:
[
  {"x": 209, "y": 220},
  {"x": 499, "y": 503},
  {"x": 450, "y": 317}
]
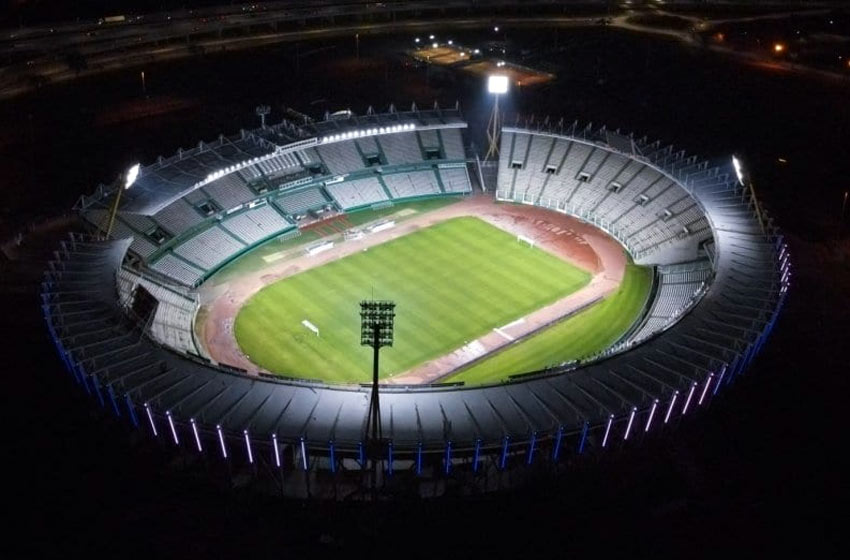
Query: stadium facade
[{"x": 121, "y": 311}]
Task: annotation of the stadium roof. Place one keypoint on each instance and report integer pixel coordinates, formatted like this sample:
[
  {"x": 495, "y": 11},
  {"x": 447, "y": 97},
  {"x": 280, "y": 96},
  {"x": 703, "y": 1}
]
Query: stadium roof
[{"x": 163, "y": 182}]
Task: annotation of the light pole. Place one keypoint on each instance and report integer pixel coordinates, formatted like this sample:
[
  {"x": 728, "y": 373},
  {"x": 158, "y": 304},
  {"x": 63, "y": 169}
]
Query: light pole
[
  {"x": 739, "y": 171},
  {"x": 376, "y": 330},
  {"x": 129, "y": 178},
  {"x": 497, "y": 85}
]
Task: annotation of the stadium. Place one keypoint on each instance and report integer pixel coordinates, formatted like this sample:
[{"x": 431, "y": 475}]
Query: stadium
[{"x": 580, "y": 290}]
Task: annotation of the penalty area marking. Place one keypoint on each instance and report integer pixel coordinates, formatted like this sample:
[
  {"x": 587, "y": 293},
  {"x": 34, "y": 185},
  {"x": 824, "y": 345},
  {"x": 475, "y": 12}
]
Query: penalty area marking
[{"x": 500, "y": 330}]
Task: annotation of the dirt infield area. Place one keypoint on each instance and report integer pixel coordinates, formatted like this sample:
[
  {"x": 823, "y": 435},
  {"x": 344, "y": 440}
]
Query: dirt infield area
[{"x": 579, "y": 243}]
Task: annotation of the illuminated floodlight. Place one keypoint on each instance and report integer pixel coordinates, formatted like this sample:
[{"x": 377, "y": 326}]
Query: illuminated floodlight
[
  {"x": 739, "y": 170},
  {"x": 497, "y": 84},
  {"x": 434, "y": 45},
  {"x": 451, "y": 42},
  {"x": 431, "y": 37},
  {"x": 132, "y": 175},
  {"x": 416, "y": 40},
  {"x": 496, "y": 29}
]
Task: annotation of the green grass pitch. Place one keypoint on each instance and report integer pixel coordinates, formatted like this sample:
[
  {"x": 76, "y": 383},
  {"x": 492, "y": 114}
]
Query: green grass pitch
[
  {"x": 584, "y": 334},
  {"x": 452, "y": 282}
]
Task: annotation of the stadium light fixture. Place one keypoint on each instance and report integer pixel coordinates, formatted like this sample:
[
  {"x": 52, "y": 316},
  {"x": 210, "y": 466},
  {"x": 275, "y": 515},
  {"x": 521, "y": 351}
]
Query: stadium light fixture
[
  {"x": 705, "y": 388},
  {"x": 303, "y": 453},
  {"x": 276, "y": 451},
  {"x": 497, "y": 84},
  {"x": 416, "y": 40},
  {"x": 131, "y": 176},
  {"x": 221, "y": 441},
  {"x": 451, "y": 42},
  {"x": 631, "y": 420},
  {"x": 496, "y": 29},
  {"x": 150, "y": 419},
  {"x": 431, "y": 37},
  {"x": 197, "y": 437},
  {"x": 719, "y": 380},
  {"x": 557, "y": 450},
  {"x": 690, "y": 396},
  {"x": 248, "y": 446},
  {"x": 670, "y": 408},
  {"x": 739, "y": 170},
  {"x": 434, "y": 45},
  {"x": 171, "y": 425},
  {"x": 607, "y": 430},
  {"x": 651, "y": 414}
]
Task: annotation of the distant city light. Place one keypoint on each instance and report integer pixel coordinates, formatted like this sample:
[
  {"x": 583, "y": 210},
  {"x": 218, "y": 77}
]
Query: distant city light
[
  {"x": 778, "y": 47},
  {"x": 497, "y": 84}
]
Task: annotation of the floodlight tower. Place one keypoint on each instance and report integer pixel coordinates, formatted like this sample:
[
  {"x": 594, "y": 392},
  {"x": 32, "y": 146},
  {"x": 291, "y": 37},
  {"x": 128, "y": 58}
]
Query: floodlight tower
[
  {"x": 376, "y": 330},
  {"x": 497, "y": 85},
  {"x": 262, "y": 111},
  {"x": 129, "y": 177},
  {"x": 747, "y": 183}
]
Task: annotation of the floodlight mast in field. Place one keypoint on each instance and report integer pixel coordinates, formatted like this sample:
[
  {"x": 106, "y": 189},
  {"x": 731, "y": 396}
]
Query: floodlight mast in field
[
  {"x": 497, "y": 85},
  {"x": 376, "y": 330}
]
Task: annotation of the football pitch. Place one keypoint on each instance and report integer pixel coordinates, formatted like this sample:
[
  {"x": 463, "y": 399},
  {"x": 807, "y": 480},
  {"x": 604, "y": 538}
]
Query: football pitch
[
  {"x": 579, "y": 336},
  {"x": 452, "y": 283}
]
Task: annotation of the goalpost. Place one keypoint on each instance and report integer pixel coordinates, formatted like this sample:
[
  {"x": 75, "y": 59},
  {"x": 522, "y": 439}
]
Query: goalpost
[
  {"x": 524, "y": 239},
  {"x": 310, "y": 326}
]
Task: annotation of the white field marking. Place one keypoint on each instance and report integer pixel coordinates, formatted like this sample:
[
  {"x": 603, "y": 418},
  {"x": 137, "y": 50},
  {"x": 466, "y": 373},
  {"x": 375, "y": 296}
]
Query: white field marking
[
  {"x": 503, "y": 334},
  {"x": 519, "y": 321},
  {"x": 405, "y": 212}
]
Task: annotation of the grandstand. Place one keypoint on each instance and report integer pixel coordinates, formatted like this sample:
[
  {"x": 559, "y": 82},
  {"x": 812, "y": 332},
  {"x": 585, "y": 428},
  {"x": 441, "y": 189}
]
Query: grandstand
[
  {"x": 679, "y": 288},
  {"x": 256, "y": 224},
  {"x": 645, "y": 209},
  {"x": 415, "y": 183},
  {"x": 172, "y": 324},
  {"x": 721, "y": 280},
  {"x": 220, "y": 213},
  {"x": 358, "y": 193}
]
